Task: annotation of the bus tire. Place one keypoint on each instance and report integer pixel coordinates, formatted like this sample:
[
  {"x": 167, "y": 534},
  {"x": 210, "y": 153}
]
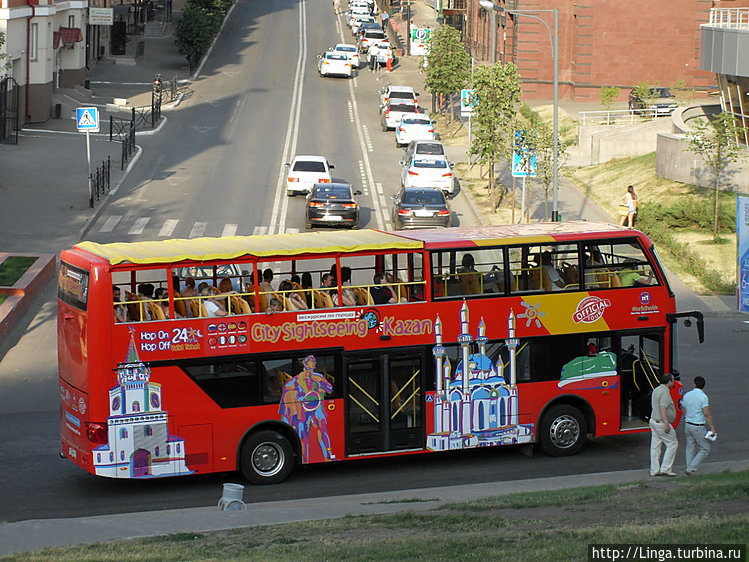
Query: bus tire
[
  {"x": 266, "y": 458},
  {"x": 563, "y": 431}
]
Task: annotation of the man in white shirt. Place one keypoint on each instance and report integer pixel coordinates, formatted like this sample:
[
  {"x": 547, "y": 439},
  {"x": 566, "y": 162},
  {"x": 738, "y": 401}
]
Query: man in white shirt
[
  {"x": 696, "y": 417},
  {"x": 374, "y": 51}
]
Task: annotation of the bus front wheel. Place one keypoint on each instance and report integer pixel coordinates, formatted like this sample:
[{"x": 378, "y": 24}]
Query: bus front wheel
[
  {"x": 563, "y": 431},
  {"x": 266, "y": 458}
]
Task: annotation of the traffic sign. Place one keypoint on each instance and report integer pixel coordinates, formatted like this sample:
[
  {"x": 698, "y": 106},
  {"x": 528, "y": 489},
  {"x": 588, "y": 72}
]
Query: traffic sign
[
  {"x": 467, "y": 102},
  {"x": 87, "y": 119},
  {"x": 523, "y": 165},
  {"x": 420, "y": 37}
]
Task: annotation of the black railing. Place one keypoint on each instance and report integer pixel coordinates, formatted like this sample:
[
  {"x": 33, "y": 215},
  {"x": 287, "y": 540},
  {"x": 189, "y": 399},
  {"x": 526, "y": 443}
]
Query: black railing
[
  {"x": 100, "y": 182},
  {"x": 128, "y": 147},
  {"x": 147, "y": 116},
  {"x": 123, "y": 130}
]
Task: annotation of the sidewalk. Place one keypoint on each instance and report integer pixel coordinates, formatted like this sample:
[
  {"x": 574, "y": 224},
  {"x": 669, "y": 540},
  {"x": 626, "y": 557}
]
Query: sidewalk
[{"x": 41, "y": 533}]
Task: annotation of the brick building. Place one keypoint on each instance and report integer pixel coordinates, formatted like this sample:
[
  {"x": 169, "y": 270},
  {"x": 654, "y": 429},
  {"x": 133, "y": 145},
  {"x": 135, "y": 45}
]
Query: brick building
[{"x": 601, "y": 43}]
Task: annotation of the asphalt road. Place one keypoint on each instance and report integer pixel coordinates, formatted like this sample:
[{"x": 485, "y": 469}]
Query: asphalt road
[{"x": 219, "y": 163}]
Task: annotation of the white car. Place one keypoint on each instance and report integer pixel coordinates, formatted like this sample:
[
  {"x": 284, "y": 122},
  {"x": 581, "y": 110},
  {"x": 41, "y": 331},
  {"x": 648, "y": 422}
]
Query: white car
[
  {"x": 398, "y": 93},
  {"x": 358, "y": 20},
  {"x": 350, "y": 51},
  {"x": 333, "y": 63},
  {"x": 354, "y": 12},
  {"x": 372, "y": 36},
  {"x": 305, "y": 171},
  {"x": 428, "y": 171},
  {"x": 416, "y": 126}
]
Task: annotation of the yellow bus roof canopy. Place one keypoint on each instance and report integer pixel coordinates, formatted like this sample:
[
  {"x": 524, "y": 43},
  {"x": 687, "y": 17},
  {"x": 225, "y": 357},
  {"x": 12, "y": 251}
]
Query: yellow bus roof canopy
[{"x": 231, "y": 247}]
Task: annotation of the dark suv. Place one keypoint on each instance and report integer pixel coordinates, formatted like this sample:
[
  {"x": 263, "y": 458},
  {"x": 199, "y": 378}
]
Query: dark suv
[{"x": 420, "y": 207}]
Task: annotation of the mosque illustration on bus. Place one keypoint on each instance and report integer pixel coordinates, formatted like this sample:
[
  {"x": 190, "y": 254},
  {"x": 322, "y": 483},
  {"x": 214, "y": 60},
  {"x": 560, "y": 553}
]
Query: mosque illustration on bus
[{"x": 475, "y": 406}]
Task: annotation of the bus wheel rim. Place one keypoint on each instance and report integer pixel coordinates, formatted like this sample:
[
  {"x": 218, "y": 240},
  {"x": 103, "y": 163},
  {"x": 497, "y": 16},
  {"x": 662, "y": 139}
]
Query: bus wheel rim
[
  {"x": 564, "y": 432},
  {"x": 267, "y": 459}
]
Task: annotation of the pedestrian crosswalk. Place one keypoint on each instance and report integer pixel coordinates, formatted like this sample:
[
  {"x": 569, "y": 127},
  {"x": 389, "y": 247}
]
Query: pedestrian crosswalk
[{"x": 149, "y": 227}]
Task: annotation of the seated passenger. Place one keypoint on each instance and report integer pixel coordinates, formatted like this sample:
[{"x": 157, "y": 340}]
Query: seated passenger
[
  {"x": 382, "y": 294},
  {"x": 275, "y": 305},
  {"x": 189, "y": 290},
  {"x": 266, "y": 286},
  {"x": 469, "y": 280},
  {"x": 213, "y": 306},
  {"x": 349, "y": 298},
  {"x": 555, "y": 278},
  {"x": 296, "y": 300},
  {"x": 120, "y": 310},
  {"x": 631, "y": 277}
]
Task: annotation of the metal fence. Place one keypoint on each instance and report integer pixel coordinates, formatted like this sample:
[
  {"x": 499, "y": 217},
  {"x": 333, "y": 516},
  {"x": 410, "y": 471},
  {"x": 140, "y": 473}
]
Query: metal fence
[
  {"x": 730, "y": 18},
  {"x": 618, "y": 116},
  {"x": 123, "y": 130},
  {"x": 99, "y": 182}
]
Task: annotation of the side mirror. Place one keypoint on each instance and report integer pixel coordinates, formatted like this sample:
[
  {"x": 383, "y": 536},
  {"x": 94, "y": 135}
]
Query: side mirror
[
  {"x": 402, "y": 163},
  {"x": 319, "y": 56},
  {"x": 452, "y": 165},
  {"x": 393, "y": 197},
  {"x": 417, "y": 94},
  {"x": 287, "y": 164},
  {"x": 331, "y": 166},
  {"x": 357, "y": 192}
]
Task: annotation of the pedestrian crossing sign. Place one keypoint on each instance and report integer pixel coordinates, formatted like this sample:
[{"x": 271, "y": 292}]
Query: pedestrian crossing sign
[
  {"x": 522, "y": 166},
  {"x": 87, "y": 119}
]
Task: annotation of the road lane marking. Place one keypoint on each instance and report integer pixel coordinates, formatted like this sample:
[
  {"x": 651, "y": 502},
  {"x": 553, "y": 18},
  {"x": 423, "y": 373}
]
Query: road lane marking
[
  {"x": 197, "y": 229},
  {"x": 168, "y": 227},
  {"x": 229, "y": 230},
  {"x": 110, "y": 223},
  {"x": 259, "y": 230},
  {"x": 281, "y": 201},
  {"x": 139, "y": 224}
]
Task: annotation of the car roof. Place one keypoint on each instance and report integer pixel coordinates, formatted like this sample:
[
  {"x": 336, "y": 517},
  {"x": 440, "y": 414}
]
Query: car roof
[
  {"x": 394, "y": 88},
  {"x": 310, "y": 158},
  {"x": 344, "y": 45}
]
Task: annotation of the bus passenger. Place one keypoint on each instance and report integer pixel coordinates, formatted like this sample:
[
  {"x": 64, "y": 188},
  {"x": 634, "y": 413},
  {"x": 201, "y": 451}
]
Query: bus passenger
[
  {"x": 296, "y": 300},
  {"x": 307, "y": 286},
  {"x": 266, "y": 286},
  {"x": 120, "y": 310},
  {"x": 555, "y": 278},
  {"x": 274, "y": 306},
  {"x": 213, "y": 306},
  {"x": 382, "y": 294},
  {"x": 189, "y": 290},
  {"x": 349, "y": 298}
]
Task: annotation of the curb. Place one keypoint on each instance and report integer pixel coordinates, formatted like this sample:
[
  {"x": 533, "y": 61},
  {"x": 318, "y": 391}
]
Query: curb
[{"x": 25, "y": 290}]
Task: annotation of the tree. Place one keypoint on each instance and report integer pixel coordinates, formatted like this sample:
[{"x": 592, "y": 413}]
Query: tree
[
  {"x": 646, "y": 93},
  {"x": 200, "y": 23},
  {"x": 496, "y": 95},
  {"x": 2, "y": 55},
  {"x": 542, "y": 143},
  {"x": 716, "y": 142},
  {"x": 608, "y": 95},
  {"x": 449, "y": 67}
]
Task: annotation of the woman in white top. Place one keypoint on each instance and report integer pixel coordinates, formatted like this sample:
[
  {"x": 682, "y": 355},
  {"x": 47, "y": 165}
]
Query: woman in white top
[{"x": 630, "y": 200}]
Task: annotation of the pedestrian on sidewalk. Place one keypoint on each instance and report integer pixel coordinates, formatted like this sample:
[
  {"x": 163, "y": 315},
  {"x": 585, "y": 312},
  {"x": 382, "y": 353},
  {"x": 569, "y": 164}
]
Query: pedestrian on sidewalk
[
  {"x": 336, "y": 6},
  {"x": 373, "y": 53},
  {"x": 661, "y": 430},
  {"x": 630, "y": 202},
  {"x": 696, "y": 417}
]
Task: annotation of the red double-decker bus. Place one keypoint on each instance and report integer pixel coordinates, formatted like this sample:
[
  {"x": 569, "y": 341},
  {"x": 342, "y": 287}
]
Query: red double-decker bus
[{"x": 256, "y": 353}]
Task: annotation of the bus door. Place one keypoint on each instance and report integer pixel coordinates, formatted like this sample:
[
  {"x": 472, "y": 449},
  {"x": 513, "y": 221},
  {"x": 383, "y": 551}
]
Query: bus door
[
  {"x": 384, "y": 401},
  {"x": 640, "y": 365}
]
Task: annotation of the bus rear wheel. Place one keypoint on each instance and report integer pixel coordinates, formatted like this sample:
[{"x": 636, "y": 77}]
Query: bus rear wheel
[
  {"x": 266, "y": 458},
  {"x": 563, "y": 431}
]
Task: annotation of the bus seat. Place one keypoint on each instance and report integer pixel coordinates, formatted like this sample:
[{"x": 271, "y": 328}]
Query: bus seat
[
  {"x": 262, "y": 301},
  {"x": 362, "y": 296},
  {"x": 155, "y": 310},
  {"x": 469, "y": 283},
  {"x": 238, "y": 305},
  {"x": 136, "y": 309},
  {"x": 614, "y": 280},
  {"x": 198, "y": 309},
  {"x": 534, "y": 279},
  {"x": 179, "y": 305},
  {"x": 322, "y": 299}
]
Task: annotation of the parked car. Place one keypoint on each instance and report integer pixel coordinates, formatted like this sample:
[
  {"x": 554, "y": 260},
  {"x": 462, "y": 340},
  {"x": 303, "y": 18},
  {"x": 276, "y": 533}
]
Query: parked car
[
  {"x": 305, "y": 171},
  {"x": 372, "y": 36},
  {"x": 367, "y": 26},
  {"x": 393, "y": 113},
  {"x": 413, "y": 126},
  {"x": 332, "y": 63},
  {"x": 358, "y": 20},
  {"x": 398, "y": 93},
  {"x": 420, "y": 207},
  {"x": 424, "y": 147},
  {"x": 428, "y": 171},
  {"x": 354, "y": 12},
  {"x": 332, "y": 204},
  {"x": 661, "y": 100},
  {"x": 350, "y": 51}
]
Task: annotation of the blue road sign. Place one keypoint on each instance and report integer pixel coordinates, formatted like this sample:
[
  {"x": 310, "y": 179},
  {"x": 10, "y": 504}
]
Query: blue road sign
[
  {"x": 87, "y": 119},
  {"x": 467, "y": 102},
  {"x": 521, "y": 168}
]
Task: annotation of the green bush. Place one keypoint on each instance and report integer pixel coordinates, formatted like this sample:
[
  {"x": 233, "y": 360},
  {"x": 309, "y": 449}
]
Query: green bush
[{"x": 200, "y": 23}]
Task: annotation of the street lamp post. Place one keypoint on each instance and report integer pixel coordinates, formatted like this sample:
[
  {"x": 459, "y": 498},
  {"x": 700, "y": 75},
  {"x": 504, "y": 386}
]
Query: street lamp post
[{"x": 489, "y": 5}]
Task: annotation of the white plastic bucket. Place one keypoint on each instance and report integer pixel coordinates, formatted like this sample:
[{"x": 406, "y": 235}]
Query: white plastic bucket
[{"x": 231, "y": 500}]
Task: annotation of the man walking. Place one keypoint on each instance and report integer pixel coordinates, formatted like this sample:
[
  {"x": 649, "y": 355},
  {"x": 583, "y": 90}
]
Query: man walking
[
  {"x": 696, "y": 415},
  {"x": 661, "y": 431}
]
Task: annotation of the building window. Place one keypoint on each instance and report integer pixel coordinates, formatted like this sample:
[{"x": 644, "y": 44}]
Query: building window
[
  {"x": 33, "y": 41},
  {"x": 122, "y": 455},
  {"x": 147, "y": 431},
  {"x": 71, "y": 21},
  {"x": 98, "y": 457},
  {"x": 157, "y": 451},
  {"x": 123, "y": 433},
  {"x": 111, "y": 457},
  {"x": 168, "y": 450}
]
